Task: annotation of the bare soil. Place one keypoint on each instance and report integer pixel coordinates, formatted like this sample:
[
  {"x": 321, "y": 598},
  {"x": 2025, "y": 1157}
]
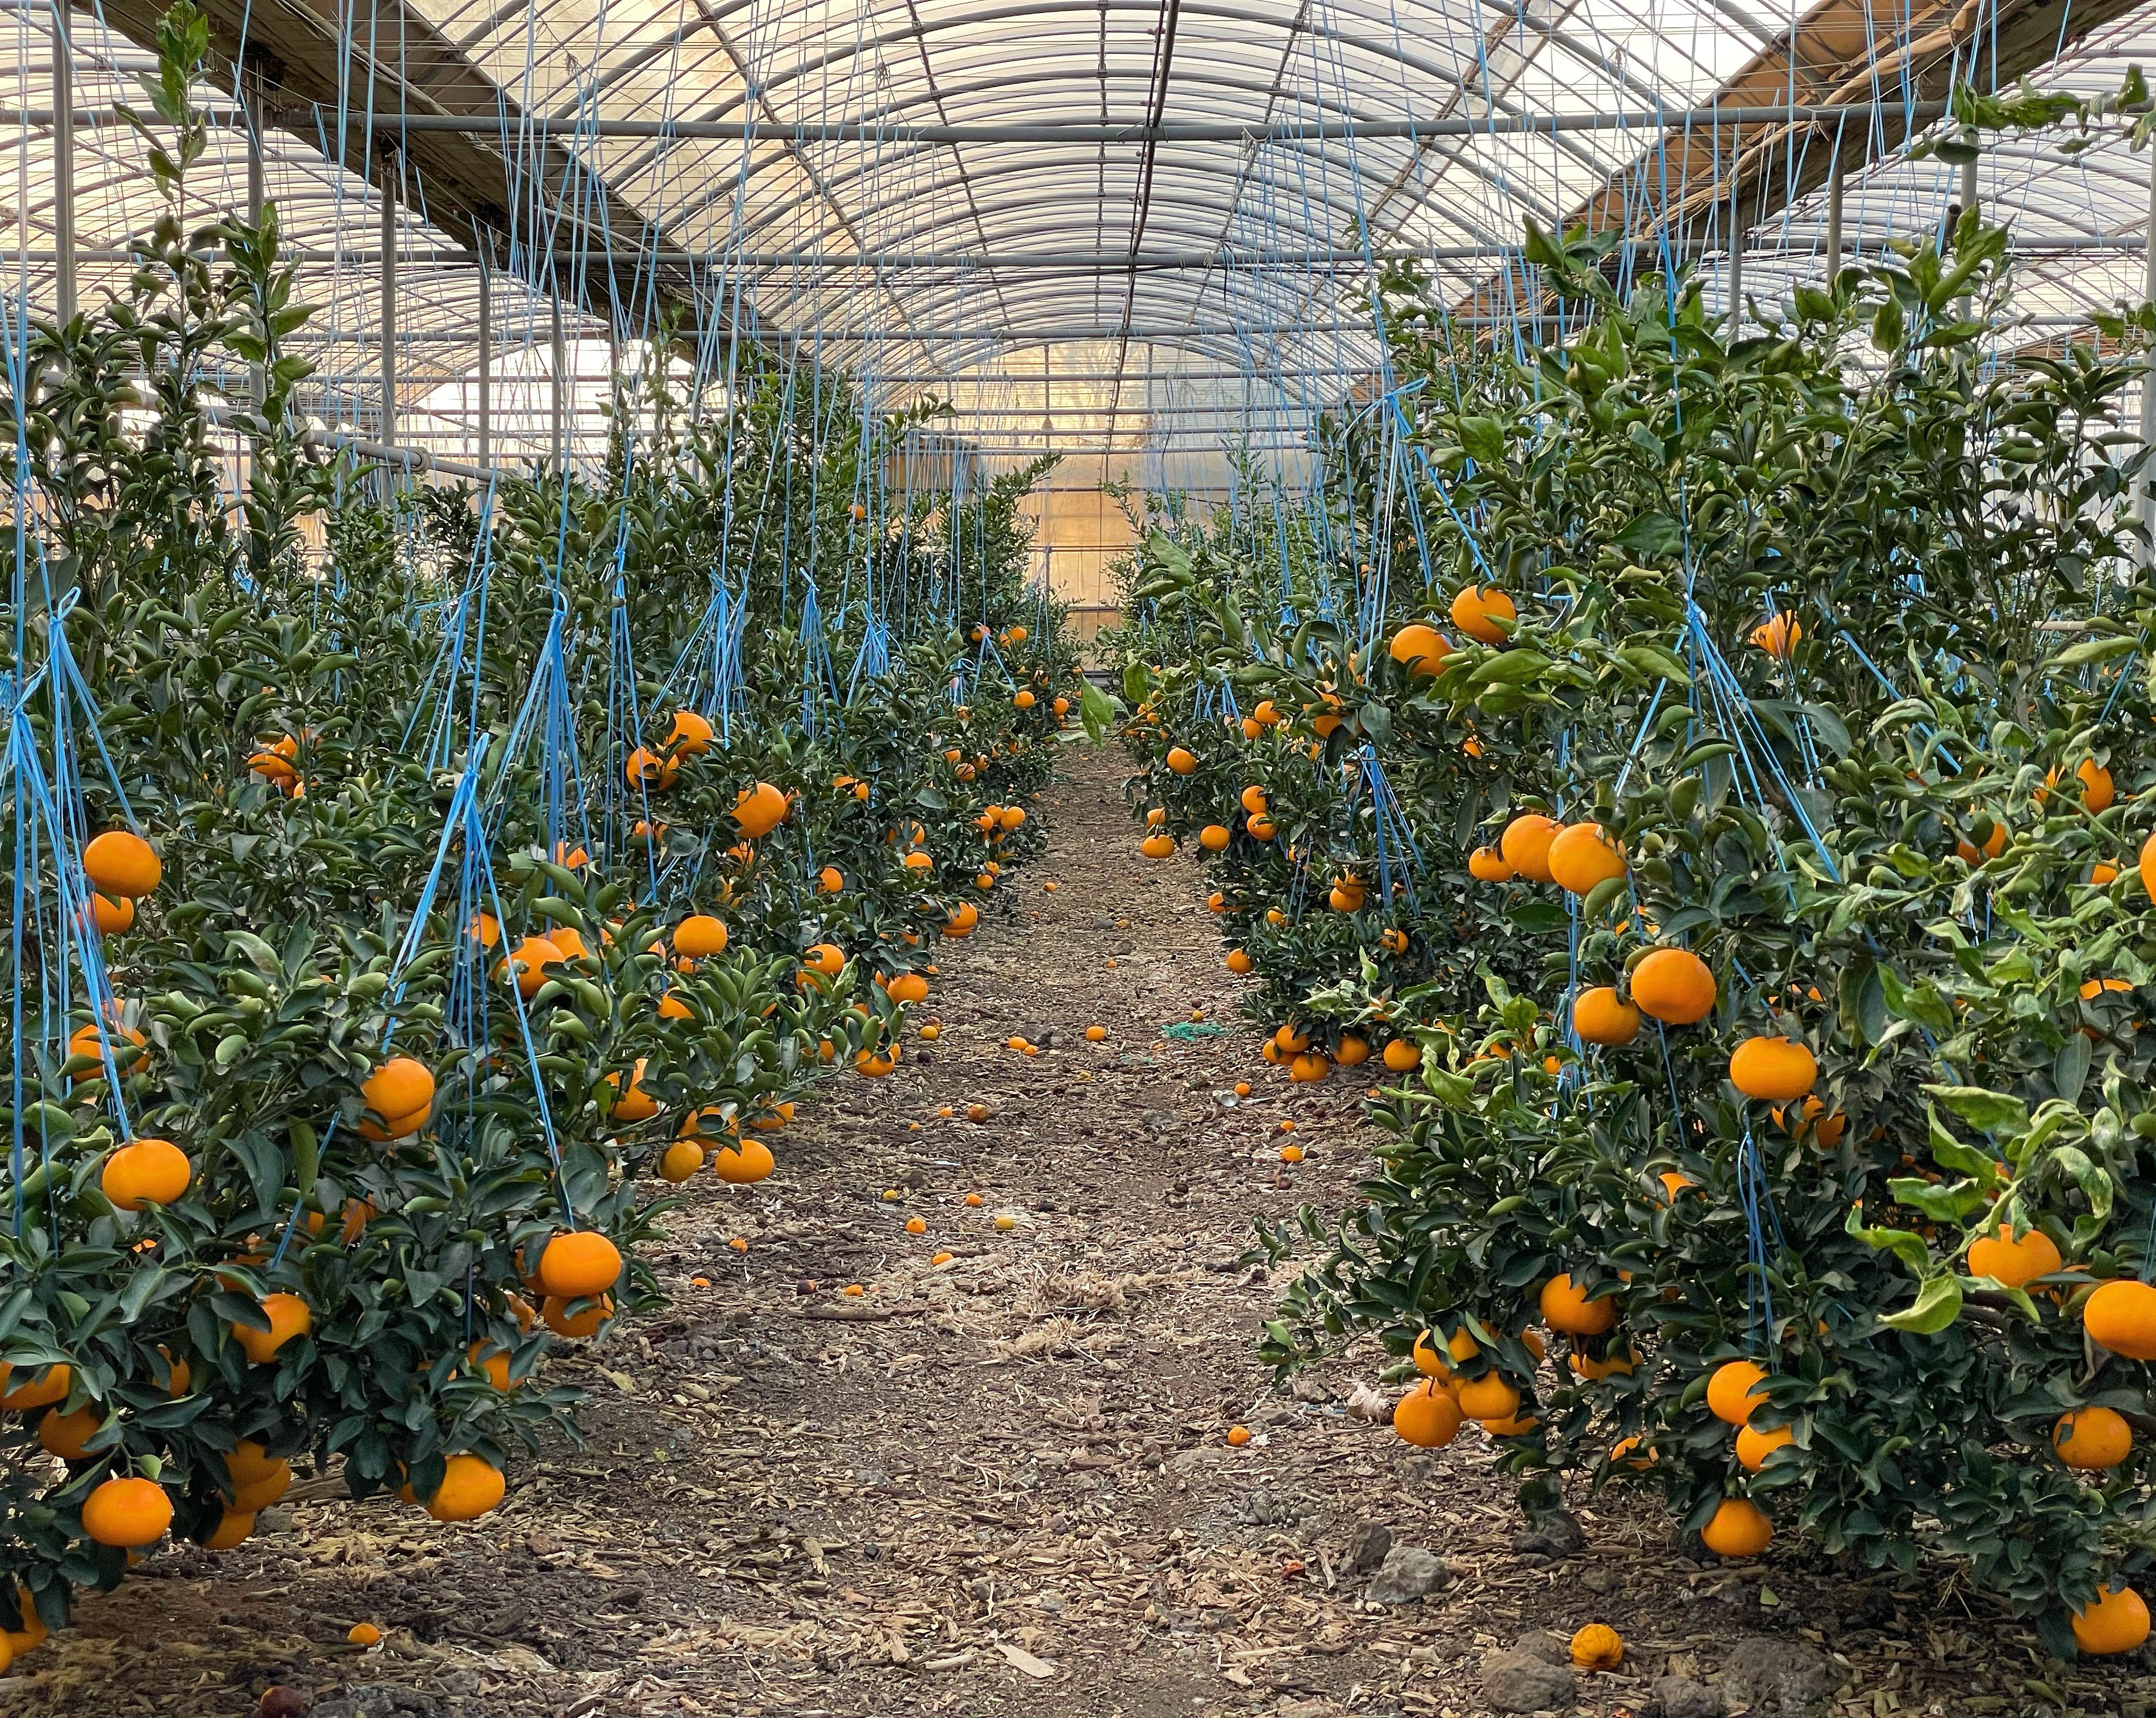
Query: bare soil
[{"x": 1000, "y": 1485}]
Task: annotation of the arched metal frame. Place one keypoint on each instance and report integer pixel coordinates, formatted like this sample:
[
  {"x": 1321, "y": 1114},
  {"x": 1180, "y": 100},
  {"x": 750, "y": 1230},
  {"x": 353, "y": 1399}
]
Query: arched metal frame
[{"x": 1274, "y": 333}]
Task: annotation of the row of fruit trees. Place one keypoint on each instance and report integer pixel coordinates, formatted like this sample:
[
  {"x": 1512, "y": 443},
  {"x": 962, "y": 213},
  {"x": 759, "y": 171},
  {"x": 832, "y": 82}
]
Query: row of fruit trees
[
  {"x": 410, "y": 885},
  {"x": 1712, "y": 779}
]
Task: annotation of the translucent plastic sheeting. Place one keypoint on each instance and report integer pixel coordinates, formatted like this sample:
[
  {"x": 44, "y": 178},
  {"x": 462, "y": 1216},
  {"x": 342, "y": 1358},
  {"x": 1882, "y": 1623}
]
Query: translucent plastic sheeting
[{"x": 1149, "y": 301}]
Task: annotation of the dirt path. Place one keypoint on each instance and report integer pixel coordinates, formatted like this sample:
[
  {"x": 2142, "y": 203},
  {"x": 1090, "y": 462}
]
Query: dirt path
[{"x": 999, "y": 1484}]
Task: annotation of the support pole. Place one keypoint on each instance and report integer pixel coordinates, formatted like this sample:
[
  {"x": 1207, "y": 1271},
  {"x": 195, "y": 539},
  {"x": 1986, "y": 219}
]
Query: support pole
[
  {"x": 485, "y": 356},
  {"x": 388, "y": 308},
  {"x": 561, "y": 397},
  {"x": 62, "y": 162},
  {"x": 2146, "y": 508},
  {"x": 250, "y": 99},
  {"x": 1736, "y": 244},
  {"x": 1835, "y": 181}
]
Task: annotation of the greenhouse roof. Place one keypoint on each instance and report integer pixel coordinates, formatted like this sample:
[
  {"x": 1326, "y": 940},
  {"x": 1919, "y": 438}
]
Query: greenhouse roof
[{"x": 1129, "y": 227}]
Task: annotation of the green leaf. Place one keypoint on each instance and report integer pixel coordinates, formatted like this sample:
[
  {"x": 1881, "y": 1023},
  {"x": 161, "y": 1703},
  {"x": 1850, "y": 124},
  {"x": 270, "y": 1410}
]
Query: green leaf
[
  {"x": 1655, "y": 535},
  {"x": 1909, "y": 1249},
  {"x": 1994, "y": 1112},
  {"x": 1887, "y": 326},
  {"x": 1946, "y": 1149},
  {"x": 2094, "y": 650},
  {"x": 1920, "y": 1002},
  {"x": 1941, "y": 1203},
  {"x": 2091, "y": 1178},
  {"x": 1653, "y": 659},
  {"x": 1937, "y": 1305},
  {"x": 1097, "y": 711},
  {"x": 2070, "y": 1067},
  {"x": 1135, "y": 685}
]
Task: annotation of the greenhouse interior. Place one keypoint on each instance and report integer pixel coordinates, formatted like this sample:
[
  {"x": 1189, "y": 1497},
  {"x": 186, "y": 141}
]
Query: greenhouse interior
[{"x": 1132, "y": 858}]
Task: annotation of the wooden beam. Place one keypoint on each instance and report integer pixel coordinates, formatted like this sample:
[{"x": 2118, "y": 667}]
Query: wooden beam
[
  {"x": 293, "y": 51},
  {"x": 1839, "y": 53}
]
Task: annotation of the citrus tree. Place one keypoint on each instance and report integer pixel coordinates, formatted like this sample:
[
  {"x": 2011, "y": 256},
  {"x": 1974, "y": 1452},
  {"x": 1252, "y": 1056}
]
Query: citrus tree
[
  {"x": 1771, "y": 742},
  {"x": 410, "y": 885}
]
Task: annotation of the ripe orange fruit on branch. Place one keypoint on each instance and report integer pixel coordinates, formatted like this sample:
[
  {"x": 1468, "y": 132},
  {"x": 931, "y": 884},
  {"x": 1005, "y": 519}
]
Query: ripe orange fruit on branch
[
  {"x": 645, "y": 768},
  {"x": 2097, "y": 790},
  {"x": 1754, "y": 1444},
  {"x": 1421, "y": 649},
  {"x": 127, "y": 1512},
  {"x": 1826, "y": 1130},
  {"x": 2014, "y": 1262},
  {"x": 700, "y": 935},
  {"x": 554, "y": 1310},
  {"x": 1738, "y": 1529},
  {"x": 2121, "y": 1317},
  {"x": 2091, "y": 1438},
  {"x": 743, "y": 1165},
  {"x": 1486, "y": 864},
  {"x": 38, "y": 1389},
  {"x": 1772, "y": 1070},
  {"x": 2116, "y": 1621},
  {"x": 1489, "y": 1397},
  {"x": 401, "y": 1092},
  {"x": 1181, "y": 762},
  {"x": 690, "y": 734},
  {"x": 233, "y": 1528},
  {"x": 288, "y": 1317},
  {"x": 1403, "y": 1056},
  {"x": 759, "y": 810},
  {"x": 1600, "y": 1016},
  {"x": 470, "y": 1486},
  {"x": 121, "y": 862},
  {"x": 1427, "y": 1417},
  {"x": 1733, "y": 1392},
  {"x": 635, "y": 1104},
  {"x": 578, "y": 1265},
  {"x": 1994, "y": 843},
  {"x": 275, "y": 763},
  {"x": 147, "y": 1172},
  {"x": 1525, "y": 844},
  {"x": 1159, "y": 845},
  {"x": 1566, "y": 1308},
  {"x": 1674, "y": 986},
  {"x": 528, "y": 962},
  {"x": 1581, "y": 856},
  {"x": 1484, "y": 613},
  {"x": 66, "y": 1435},
  {"x": 1779, "y": 635}
]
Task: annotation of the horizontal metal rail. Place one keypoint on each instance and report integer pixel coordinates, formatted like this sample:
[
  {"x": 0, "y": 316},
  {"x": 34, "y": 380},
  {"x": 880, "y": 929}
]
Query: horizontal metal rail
[{"x": 570, "y": 128}]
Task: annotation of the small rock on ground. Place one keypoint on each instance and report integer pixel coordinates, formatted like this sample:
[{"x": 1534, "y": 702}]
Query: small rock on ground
[
  {"x": 1409, "y": 1573},
  {"x": 1680, "y": 1697},
  {"x": 1367, "y": 1546},
  {"x": 1522, "y": 1677},
  {"x": 1779, "y": 1678}
]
